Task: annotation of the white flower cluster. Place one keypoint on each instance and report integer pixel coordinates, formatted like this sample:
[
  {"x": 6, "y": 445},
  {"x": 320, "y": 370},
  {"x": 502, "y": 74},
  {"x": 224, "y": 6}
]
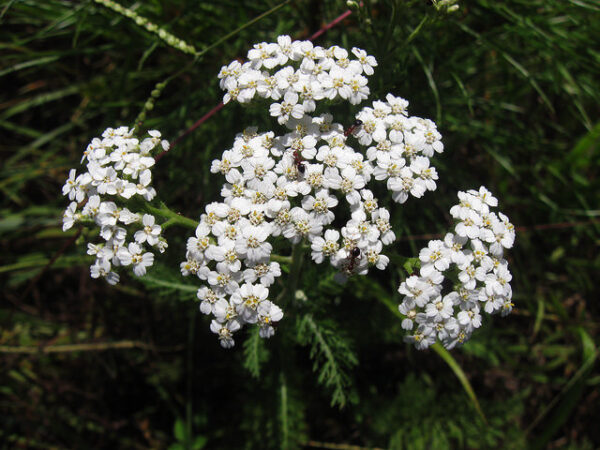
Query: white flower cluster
[
  {"x": 118, "y": 169},
  {"x": 399, "y": 147},
  {"x": 321, "y": 74},
  {"x": 474, "y": 253},
  {"x": 282, "y": 186},
  {"x": 289, "y": 185}
]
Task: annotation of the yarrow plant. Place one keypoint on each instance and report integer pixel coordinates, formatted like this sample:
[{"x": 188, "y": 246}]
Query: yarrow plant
[{"x": 310, "y": 185}]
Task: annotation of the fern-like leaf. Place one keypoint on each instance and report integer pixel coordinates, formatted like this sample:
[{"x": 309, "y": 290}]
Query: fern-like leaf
[
  {"x": 255, "y": 352},
  {"x": 331, "y": 354}
]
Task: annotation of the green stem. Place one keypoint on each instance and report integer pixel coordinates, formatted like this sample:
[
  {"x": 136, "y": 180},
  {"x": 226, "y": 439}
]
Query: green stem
[
  {"x": 295, "y": 263},
  {"x": 284, "y": 411},
  {"x": 281, "y": 259},
  {"x": 168, "y": 224},
  {"x": 172, "y": 217},
  {"x": 295, "y": 267},
  {"x": 190, "y": 369},
  {"x": 416, "y": 31}
]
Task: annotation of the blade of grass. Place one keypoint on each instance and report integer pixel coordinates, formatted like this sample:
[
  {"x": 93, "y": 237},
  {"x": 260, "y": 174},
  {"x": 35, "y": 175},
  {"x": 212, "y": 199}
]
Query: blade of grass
[
  {"x": 5, "y": 9},
  {"x": 63, "y": 261},
  {"x": 243, "y": 27},
  {"x": 512, "y": 61},
  {"x": 24, "y": 131},
  {"x": 39, "y": 100},
  {"x": 178, "y": 286},
  {"x": 432, "y": 85},
  {"x": 460, "y": 374},
  {"x": 283, "y": 415},
  {"x": 28, "y": 64},
  {"x": 463, "y": 89}
]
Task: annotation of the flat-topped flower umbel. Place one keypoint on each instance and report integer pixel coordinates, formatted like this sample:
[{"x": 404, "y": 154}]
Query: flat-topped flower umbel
[
  {"x": 118, "y": 169},
  {"x": 297, "y": 183}
]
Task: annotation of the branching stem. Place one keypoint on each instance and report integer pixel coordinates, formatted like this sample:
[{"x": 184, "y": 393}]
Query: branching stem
[{"x": 172, "y": 217}]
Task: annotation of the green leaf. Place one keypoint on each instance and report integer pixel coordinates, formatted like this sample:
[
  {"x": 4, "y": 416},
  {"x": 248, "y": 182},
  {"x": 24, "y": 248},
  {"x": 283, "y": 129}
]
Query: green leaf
[
  {"x": 179, "y": 430},
  {"x": 199, "y": 442}
]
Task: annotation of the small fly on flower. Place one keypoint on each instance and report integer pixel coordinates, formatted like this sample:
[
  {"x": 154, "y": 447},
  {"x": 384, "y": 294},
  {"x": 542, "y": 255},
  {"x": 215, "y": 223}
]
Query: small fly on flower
[
  {"x": 299, "y": 163},
  {"x": 354, "y": 255},
  {"x": 352, "y": 128}
]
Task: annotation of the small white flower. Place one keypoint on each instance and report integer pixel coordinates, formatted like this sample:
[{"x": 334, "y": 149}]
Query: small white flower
[
  {"x": 287, "y": 109},
  {"x": 208, "y": 298},
  {"x": 439, "y": 309},
  {"x": 70, "y": 216},
  {"x": 366, "y": 62},
  {"x": 150, "y": 233},
  {"x": 248, "y": 300},
  {"x": 264, "y": 272},
  {"x": 252, "y": 245},
  {"x": 225, "y": 332},
  {"x": 320, "y": 206},
  {"x": 135, "y": 256},
  {"x": 325, "y": 247},
  {"x": 268, "y": 314},
  {"x": 470, "y": 318},
  {"x": 422, "y": 338},
  {"x": 102, "y": 269},
  {"x": 434, "y": 256}
]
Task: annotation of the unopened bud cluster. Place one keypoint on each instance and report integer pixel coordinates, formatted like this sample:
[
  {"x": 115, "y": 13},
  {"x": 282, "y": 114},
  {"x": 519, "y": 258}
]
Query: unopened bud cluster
[
  {"x": 446, "y": 6},
  {"x": 118, "y": 171},
  {"x": 472, "y": 257}
]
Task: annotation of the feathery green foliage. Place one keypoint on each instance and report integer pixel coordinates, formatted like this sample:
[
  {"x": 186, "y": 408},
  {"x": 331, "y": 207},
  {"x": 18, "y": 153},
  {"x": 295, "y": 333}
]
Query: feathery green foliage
[
  {"x": 256, "y": 352},
  {"x": 333, "y": 358}
]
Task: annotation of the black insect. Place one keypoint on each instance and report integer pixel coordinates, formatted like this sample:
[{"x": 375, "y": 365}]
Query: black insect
[
  {"x": 354, "y": 255},
  {"x": 300, "y": 166},
  {"x": 352, "y": 128}
]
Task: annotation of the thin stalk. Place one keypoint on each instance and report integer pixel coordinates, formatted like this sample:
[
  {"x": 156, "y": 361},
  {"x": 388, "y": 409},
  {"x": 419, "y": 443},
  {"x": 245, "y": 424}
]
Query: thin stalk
[
  {"x": 173, "y": 217},
  {"x": 149, "y": 104},
  {"x": 237, "y": 30},
  {"x": 281, "y": 259},
  {"x": 190, "y": 369},
  {"x": 416, "y": 31},
  {"x": 284, "y": 411},
  {"x": 297, "y": 257}
]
